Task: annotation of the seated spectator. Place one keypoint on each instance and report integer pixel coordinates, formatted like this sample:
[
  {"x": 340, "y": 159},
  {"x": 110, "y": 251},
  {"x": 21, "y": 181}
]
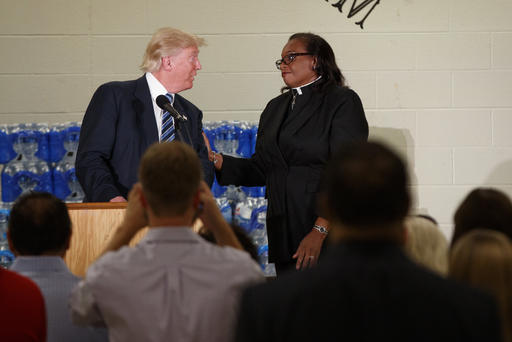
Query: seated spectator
[
  {"x": 366, "y": 289},
  {"x": 244, "y": 239},
  {"x": 39, "y": 233},
  {"x": 483, "y": 207},
  {"x": 426, "y": 244},
  {"x": 22, "y": 311},
  {"x": 483, "y": 259},
  {"x": 173, "y": 285}
]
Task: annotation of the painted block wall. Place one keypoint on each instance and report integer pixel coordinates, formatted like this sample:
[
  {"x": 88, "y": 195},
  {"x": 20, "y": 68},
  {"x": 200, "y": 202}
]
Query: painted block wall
[{"x": 435, "y": 76}]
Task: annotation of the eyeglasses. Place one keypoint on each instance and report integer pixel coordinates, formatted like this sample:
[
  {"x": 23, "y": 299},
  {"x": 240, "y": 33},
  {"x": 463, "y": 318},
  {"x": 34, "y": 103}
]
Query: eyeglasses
[{"x": 290, "y": 58}]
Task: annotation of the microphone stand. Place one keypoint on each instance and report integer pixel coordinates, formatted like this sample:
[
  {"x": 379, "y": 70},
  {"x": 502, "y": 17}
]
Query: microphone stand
[{"x": 178, "y": 125}]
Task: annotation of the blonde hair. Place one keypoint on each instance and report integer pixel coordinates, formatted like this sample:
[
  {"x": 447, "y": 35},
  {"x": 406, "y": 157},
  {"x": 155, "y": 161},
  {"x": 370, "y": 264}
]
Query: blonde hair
[
  {"x": 170, "y": 174},
  {"x": 167, "y": 41},
  {"x": 483, "y": 258},
  {"x": 426, "y": 244}
]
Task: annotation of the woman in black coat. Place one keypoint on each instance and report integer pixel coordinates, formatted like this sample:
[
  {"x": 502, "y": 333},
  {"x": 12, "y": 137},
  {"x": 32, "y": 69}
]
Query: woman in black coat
[{"x": 298, "y": 132}]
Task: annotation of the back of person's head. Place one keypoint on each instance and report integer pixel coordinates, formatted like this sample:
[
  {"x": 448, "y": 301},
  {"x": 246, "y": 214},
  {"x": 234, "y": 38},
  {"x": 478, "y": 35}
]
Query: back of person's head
[
  {"x": 483, "y": 207},
  {"x": 39, "y": 224},
  {"x": 170, "y": 174},
  {"x": 426, "y": 244},
  {"x": 483, "y": 258},
  {"x": 244, "y": 239},
  {"x": 366, "y": 186},
  {"x": 167, "y": 41}
]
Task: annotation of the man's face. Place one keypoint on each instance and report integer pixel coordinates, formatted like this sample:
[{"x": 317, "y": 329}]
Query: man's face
[{"x": 184, "y": 68}]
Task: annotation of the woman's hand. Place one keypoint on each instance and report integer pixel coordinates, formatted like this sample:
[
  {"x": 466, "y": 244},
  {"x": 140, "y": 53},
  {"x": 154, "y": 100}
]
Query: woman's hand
[
  {"x": 214, "y": 221},
  {"x": 216, "y": 158},
  {"x": 309, "y": 249}
]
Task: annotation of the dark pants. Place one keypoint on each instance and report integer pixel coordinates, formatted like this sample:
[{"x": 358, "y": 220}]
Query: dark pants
[{"x": 285, "y": 267}]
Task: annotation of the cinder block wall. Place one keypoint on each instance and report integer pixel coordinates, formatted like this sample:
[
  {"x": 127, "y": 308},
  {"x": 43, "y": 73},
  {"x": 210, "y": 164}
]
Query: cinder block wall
[{"x": 435, "y": 76}]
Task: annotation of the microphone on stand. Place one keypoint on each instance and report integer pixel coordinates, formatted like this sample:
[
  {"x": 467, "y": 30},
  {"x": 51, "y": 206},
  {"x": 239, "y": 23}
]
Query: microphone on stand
[{"x": 163, "y": 102}]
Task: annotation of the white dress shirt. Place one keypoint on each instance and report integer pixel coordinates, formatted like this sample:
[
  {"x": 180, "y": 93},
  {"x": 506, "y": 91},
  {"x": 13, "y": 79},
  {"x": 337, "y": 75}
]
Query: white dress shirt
[
  {"x": 156, "y": 88},
  {"x": 172, "y": 286}
]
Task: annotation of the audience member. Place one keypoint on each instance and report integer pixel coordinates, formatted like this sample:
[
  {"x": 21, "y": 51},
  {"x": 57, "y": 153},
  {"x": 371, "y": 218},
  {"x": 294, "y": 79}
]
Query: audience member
[
  {"x": 366, "y": 289},
  {"x": 39, "y": 234},
  {"x": 22, "y": 311},
  {"x": 244, "y": 239},
  {"x": 428, "y": 217},
  {"x": 173, "y": 285},
  {"x": 483, "y": 258},
  {"x": 426, "y": 244},
  {"x": 483, "y": 207}
]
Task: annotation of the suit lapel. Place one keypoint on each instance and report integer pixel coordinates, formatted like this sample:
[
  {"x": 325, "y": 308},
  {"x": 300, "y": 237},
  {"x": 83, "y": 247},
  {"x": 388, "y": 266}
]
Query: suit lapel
[
  {"x": 274, "y": 126},
  {"x": 145, "y": 112}
]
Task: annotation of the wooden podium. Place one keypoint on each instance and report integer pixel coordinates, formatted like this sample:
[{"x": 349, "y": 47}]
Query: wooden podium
[{"x": 93, "y": 225}]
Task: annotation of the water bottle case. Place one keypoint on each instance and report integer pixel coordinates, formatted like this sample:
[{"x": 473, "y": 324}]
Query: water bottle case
[
  {"x": 27, "y": 151},
  {"x": 245, "y": 206}
]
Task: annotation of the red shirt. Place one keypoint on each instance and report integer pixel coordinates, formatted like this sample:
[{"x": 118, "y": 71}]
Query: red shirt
[{"x": 22, "y": 310}]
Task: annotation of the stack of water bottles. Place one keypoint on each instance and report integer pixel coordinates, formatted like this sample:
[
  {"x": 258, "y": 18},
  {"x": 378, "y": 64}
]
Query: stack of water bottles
[
  {"x": 6, "y": 256},
  {"x": 244, "y": 206},
  {"x": 37, "y": 157}
]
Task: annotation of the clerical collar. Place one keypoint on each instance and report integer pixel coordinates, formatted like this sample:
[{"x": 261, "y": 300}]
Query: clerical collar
[{"x": 298, "y": 89}]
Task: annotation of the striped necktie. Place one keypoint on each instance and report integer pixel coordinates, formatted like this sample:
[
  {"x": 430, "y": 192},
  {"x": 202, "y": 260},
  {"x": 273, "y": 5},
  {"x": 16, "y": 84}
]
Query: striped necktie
[{"x": 168, "y": 132}]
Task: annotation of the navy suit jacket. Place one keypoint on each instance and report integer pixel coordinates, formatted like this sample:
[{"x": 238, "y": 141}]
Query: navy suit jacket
[{"x": 118, "y": 126}]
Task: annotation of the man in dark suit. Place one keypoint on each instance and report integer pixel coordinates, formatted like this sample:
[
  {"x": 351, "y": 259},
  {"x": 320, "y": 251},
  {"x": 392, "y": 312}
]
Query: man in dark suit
[
  {"x": 366, "y": 289},
  {"x": 123, "y": 119}
]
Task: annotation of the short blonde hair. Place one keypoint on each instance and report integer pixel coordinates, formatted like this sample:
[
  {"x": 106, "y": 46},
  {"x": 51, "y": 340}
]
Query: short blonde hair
[
  {"x": 170, "y": 174},
  {"x": 167, "y": 41},
  {"x": 426, "y": 244}
]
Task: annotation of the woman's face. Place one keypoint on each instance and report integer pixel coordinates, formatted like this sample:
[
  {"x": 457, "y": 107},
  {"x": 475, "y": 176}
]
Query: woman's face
[{"x": 299, "y": 71}]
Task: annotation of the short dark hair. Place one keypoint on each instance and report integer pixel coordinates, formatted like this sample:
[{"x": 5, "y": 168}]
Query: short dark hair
[
  {"x": 39, "y": 223},
  {"x": 366, "y": 185},
  {"x": 325, "y": 60},
  {"x": 170, "y": 174},
  {"x": 483, "y": 208}
]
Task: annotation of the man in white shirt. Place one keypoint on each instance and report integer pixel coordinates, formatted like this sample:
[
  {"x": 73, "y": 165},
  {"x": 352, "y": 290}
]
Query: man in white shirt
[{"x": 172, "y": 286}]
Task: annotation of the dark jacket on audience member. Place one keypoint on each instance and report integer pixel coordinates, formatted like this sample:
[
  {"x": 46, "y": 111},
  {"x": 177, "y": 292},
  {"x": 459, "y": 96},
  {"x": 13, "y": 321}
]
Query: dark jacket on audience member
[{"x": 367, "y": 291}]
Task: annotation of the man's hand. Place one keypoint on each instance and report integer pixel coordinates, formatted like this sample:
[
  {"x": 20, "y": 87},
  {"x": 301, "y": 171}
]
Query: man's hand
[
  {"x": 135, "y": 219},
  {"x": 217, "y": 159},
  {"x": 208, "y": 210},
  {"x": 213, "y": 220},
  {"x": 118, "y": 199}
]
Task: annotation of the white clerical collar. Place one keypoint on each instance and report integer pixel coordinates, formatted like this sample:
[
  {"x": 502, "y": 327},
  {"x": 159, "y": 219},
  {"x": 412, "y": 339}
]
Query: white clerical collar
[
  {"x": 299, "y": 91},
  {"x": 156, "y": 88}
]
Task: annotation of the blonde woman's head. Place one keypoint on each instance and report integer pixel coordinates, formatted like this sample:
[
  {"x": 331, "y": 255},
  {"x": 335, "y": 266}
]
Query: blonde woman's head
[
  {"x": 426, "y": 244},
  {"x": 483, "y": 258}
]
